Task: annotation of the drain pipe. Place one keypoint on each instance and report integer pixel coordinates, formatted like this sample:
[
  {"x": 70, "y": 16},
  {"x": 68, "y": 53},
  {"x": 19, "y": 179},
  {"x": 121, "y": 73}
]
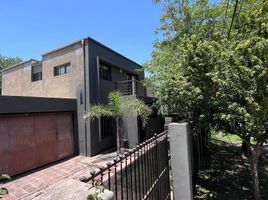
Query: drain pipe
[{"x": 85, "y": 89}]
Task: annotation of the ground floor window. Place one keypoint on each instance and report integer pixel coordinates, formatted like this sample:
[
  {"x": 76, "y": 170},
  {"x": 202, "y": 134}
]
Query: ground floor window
[{"x": 107, "y": 127}]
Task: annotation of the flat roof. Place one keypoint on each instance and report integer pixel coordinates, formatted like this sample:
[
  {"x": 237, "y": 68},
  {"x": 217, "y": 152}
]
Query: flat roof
[
  {"x": 90, "y": 39},
  {"x": 71, "y": 44}
]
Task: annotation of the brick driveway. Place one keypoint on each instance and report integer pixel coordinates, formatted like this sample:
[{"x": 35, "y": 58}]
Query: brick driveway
[{"x": 35, "y": 183}]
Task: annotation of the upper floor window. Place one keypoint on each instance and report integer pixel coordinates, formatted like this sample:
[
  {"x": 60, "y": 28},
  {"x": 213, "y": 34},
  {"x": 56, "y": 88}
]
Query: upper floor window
[
  {"x": 36, "y": 76},
  {"x": 105, "y": 72},
  {"x": 36, "y": 72},
  {"x": 62, "y": 69}
]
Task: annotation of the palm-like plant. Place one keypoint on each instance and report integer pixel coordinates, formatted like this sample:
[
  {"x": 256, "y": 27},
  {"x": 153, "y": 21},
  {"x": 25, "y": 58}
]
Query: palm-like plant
[{"x": 116, "y": 108}]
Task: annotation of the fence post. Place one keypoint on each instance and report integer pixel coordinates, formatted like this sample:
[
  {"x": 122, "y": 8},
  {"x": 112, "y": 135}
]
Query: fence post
[{"x": 181, "y": 161}]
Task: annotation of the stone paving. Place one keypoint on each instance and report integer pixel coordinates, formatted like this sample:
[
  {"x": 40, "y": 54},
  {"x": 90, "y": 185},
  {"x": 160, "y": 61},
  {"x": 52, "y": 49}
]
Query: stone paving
[{"x": 33, "y": 184}]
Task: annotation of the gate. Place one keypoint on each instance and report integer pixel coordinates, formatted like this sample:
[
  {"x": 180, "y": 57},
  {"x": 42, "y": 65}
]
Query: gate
[
  {"x": 28, "y": 141},
  {"x": 141, "y": 173}
]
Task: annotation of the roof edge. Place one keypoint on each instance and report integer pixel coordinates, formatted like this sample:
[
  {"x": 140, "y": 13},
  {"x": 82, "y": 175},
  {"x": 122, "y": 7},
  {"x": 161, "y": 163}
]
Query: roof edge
[
  {"x": 21, "y": 63},
  {"x": 89, "y": 39}
]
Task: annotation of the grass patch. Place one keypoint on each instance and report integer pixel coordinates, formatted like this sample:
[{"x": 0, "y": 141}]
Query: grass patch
[{"x": 226, "y": 137}]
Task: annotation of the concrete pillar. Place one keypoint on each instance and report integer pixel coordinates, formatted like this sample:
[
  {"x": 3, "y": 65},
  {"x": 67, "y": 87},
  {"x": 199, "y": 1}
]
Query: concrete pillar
[{"x": 181, "y": 160}]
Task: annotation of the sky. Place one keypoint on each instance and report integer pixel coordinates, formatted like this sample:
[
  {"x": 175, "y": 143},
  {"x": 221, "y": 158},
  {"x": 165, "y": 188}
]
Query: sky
[{"x": 29, "y": 28}]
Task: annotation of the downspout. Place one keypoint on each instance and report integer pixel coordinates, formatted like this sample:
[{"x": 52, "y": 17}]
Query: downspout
[{"x": 85, "y": 89}]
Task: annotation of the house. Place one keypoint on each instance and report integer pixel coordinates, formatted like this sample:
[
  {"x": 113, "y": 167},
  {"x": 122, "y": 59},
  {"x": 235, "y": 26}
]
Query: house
[{"x": 85, "y": 70}]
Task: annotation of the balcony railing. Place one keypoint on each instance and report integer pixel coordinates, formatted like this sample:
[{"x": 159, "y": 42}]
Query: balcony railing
[{"x": 130, "y": 87}]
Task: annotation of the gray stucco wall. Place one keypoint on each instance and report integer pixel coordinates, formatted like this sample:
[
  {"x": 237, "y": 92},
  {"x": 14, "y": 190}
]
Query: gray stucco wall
[
  {"x": 99, "y": 89},
  {"x": 82, "y": 83}
]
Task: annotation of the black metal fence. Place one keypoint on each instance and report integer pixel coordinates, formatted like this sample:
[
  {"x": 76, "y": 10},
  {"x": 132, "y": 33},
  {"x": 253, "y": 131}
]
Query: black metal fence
[
  {"x": 199, "y": 150},
  {"x": 141, "y": 173}
]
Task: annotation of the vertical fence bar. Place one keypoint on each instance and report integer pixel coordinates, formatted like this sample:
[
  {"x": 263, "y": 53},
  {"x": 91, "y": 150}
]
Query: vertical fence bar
[
  {"x": 126, "y": 173},
  {"x": 121, "y": 177},
  {"x": 139, "y": 171},
  {"x": 167, "y": 165},
  {"x": 131, "y": 173},
  {"x": 142, "y": 169},
  {"x": 109, "y": 164},
  {"x": 115, "y": 179},
  {"x": 92, "y": 172},
  {"x": 135, "y": 174}
]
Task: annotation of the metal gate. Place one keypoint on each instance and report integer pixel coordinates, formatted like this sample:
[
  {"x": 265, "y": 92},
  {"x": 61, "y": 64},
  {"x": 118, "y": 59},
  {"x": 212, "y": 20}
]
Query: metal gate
[
  {"x": 28, "y": 141},
  {"x": 141, "y": 173}
]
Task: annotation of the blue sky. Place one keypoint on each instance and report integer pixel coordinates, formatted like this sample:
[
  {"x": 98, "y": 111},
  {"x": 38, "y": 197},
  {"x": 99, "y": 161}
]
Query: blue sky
[{"x": 32, "y": 27}]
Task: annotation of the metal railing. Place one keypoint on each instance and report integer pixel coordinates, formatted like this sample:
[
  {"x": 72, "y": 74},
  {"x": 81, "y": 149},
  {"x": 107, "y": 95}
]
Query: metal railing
[
  {"x": 141, "y": 173},
  {"x": 130, "y": 87},
  {"x": 199, "y": 148}
]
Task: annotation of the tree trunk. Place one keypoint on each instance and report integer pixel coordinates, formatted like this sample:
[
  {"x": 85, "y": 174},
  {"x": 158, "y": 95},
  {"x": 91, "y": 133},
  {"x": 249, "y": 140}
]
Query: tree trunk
[
  {"x": 255, "y": 153},
  {"x": 118, "y": 146},
  {"x": 245, "y": 149}
]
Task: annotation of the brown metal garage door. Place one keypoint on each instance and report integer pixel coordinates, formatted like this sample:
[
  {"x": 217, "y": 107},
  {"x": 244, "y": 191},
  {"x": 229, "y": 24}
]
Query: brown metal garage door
[{"x": 30, "y": 141}]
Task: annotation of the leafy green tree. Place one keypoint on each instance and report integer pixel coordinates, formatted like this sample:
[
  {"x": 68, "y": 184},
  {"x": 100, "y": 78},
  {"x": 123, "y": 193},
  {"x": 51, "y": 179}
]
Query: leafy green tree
[
  {"x": 7, "y": 62},
  {"x": 242, "y": 83},
  {"x": 211, "y": 65},
  {"x": 116, "y": 108}
]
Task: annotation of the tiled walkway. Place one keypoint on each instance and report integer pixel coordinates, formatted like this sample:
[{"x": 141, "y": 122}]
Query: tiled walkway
[{"x": 33, "y": 184}]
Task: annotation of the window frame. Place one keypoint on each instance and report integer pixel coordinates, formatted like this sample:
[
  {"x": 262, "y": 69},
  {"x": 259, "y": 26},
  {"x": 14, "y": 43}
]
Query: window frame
[
  {"x": 105, "y": 74},
  {"x": 62, "y": 69},
  {"x": 38, "y": 77}
]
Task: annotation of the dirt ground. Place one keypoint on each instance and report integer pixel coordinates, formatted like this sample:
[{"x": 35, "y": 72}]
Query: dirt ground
[{"x": 228, "y": 177}]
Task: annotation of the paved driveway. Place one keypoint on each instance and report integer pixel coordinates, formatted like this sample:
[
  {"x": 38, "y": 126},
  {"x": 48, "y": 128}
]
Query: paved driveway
[{"x": 35, "y": 183}]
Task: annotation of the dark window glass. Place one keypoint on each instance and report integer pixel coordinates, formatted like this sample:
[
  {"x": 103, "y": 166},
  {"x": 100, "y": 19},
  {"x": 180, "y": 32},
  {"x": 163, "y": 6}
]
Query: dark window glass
[
  {"x": 62, "y": 69},
  {"x": 36, "y": 76},
  {"x": 107, "y": 127},
  {"x": 105, "y": 72}
]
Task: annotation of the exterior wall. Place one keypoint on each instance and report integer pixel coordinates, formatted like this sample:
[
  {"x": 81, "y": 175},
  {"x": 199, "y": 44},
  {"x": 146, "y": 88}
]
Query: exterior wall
[
  {"x": 83, "y": 83},
  {"x": 70, "y": 85},
  {"x": 17, "y": 81},
  {"x": 98, "y": 54}
]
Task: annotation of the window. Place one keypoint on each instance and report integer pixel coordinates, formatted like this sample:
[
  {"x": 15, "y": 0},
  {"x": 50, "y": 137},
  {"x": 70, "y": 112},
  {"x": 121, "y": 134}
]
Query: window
[
  {"x": 36, "y": 72},
  {"x": 62, "y": 69},
  {"x": 105, "y": 72},
  {"x": 107, "y": 127},
  {"x": 36, "y": 76}
]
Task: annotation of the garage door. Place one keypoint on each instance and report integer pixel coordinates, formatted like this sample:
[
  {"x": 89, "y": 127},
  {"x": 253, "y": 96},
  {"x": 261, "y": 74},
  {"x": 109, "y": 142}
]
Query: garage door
[{"x": 30, "y": 141}]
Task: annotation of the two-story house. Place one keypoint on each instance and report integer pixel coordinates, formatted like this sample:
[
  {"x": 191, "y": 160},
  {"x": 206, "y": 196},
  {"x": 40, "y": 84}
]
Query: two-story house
[{"x": 86, "y": 70}]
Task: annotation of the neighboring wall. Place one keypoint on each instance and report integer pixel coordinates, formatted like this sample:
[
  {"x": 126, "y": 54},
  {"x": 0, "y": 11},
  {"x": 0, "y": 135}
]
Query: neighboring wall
[{"x": 18, "y": 81}]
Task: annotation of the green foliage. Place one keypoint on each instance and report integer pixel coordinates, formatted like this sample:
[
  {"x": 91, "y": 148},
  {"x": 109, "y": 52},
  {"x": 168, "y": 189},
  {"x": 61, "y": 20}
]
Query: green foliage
[
  {"x": 98, "y": 190},
  {"x": 226, "y": 137},
  {"x": 213, "y": 78},
  {"x": 117, "y": 107},
  {"x": 3, "y": 191}
]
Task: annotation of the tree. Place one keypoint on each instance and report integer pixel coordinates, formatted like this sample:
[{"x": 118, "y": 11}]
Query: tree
[
  {"x": 242, "y": 83},
  {"x": 7, "y": 62},
  {"x": 116, "y": 108},
  {"x": 211, "y": 65}
]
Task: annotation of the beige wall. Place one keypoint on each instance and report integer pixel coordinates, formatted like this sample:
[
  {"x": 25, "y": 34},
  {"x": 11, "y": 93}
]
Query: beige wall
[{"x": 17, "y": 81}]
